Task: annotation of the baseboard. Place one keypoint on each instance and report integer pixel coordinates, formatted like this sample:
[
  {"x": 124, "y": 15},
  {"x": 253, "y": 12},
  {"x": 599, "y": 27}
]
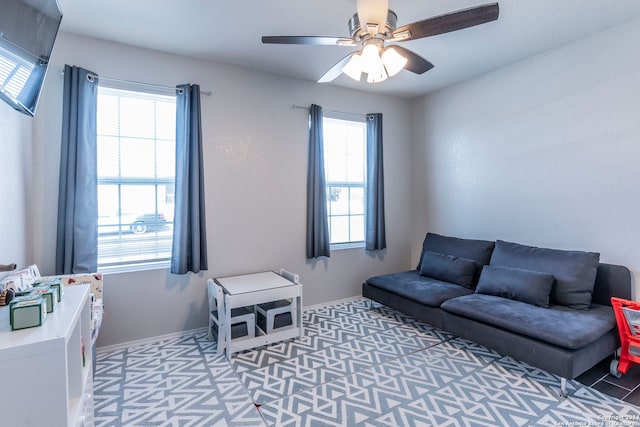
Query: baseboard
[
  {"x": 338, "y": 301},
  {"x": 151, "y": 340}
]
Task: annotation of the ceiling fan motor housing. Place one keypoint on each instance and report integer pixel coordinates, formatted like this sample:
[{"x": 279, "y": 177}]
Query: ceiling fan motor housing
[{"x": 358, "y": 33}]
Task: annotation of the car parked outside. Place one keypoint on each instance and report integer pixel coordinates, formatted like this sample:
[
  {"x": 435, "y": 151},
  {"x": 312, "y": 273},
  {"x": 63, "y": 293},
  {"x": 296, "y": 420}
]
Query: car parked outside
[
  {"x": 148, "y": 222},
  {"x": 129, "y": 223}
]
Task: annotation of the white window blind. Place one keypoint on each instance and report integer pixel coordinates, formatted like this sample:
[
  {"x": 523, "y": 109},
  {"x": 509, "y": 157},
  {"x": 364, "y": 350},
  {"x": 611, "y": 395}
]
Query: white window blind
[
  {"x": 345, "y": 162},
  {"x": 14, "y": 73},
  {"x": 136, "y": 175}
]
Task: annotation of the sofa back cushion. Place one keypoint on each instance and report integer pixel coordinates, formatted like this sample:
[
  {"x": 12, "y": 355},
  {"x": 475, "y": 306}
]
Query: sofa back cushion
[
  {"x": 527, "y": 286},
  {"x": 448, "y": 268},
  {"x": 611, "y": 281},
  {"x": 476, "y": 250},
  {"x": 574, "y": 271}
]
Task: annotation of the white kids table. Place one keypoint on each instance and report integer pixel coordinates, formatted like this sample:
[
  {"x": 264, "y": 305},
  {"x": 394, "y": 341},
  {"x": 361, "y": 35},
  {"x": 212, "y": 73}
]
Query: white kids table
[{"x": 254, "y": 289}]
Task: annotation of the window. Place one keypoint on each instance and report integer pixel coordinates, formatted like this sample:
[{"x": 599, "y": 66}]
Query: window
[
  {"x": 136, "y": 174},
  {"x": 14, "y": 73},
  {"x": 345, "y": 169}
]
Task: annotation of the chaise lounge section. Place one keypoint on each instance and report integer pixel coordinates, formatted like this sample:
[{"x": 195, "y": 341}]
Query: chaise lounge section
[{"x": 546, "y": 307}]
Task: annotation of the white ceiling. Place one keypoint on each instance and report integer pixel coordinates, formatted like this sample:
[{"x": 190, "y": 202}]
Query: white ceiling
[{"x": 230, "y": 30}]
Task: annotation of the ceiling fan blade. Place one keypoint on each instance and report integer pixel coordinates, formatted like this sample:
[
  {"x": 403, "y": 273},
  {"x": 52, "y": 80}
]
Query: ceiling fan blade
[
  {"x": 313, "y": 40},
  {"x": 448, "y": 22},
  {"x": 415, "y": 63},
  {"x": 372, "y": 12},
  {"x": 336, "y": 70}
]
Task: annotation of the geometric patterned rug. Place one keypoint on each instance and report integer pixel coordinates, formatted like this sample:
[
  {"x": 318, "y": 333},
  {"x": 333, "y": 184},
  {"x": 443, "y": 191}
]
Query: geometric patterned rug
[
  {"x": 175, "y": 382},
  {"x": 355, "y": 365},
  {"x": 338, "y": 340}
]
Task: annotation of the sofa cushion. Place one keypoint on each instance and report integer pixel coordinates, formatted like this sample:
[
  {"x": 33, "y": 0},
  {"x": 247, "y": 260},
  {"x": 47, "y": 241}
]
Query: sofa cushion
[
  {"x": 477, "y": 250},
  {"x": 527, "y": 286},
  {"x": 413, "y": 286},
  {"x": 557, "y": 325},
  {"x": 574, "y": 271},
  {"x": 448, "y": 268}
]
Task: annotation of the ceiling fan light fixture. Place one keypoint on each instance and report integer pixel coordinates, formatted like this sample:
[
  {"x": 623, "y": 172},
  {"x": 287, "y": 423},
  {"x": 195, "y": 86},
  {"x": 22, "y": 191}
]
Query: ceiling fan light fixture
[
  {"x": 378, "y": 76},
  {"x": 353, "y": 68},
  {"x": 370, "y": 59},
  {"x": 393, "y": 61}
]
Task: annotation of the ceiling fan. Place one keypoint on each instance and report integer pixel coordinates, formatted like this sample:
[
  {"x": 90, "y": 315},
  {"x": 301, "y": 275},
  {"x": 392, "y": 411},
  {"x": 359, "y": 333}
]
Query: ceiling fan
[{"x": 373, "y": 26}]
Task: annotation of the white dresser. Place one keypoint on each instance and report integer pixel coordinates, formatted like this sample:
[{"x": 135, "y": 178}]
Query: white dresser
[{"x": 46, "y": 377}]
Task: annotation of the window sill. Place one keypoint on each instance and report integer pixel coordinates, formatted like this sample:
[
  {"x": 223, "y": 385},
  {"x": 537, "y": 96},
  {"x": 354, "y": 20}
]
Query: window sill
[
  {"x": 349, "y": 245},
  {"x": 130, "y": 268}
]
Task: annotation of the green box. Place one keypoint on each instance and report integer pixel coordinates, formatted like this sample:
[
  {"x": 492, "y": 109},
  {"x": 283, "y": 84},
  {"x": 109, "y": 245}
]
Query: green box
[
  {"x": 27, "y": 297},
  {"x": 40, "y": 282},
  {"x": 60, "y": 287},
  {"x": 49, "y": 294},
  {"x": 28, "y": 313},
  {"x": 53, "y": 283}
]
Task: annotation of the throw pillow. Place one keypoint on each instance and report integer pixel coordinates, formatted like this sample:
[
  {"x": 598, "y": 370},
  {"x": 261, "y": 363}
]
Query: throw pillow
[
  {"x": 448, "y": 268},
  {"x": 574, "y": 271},
  {"x": 477, "y": 250},
  {"x": 527, "y": 286}
]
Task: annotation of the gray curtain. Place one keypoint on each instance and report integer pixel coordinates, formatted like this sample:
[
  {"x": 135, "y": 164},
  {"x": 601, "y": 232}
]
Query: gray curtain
[
  {"x": 375, "y": 230},
  {"x": 317, "y": 227},
  {"x": 77, "y": 231},
  {"x": 189, "y": 249}
]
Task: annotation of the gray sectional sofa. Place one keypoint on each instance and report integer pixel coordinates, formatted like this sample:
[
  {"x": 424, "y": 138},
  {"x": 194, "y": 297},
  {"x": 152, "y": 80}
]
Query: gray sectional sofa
[{"x": 546, "y": 307}]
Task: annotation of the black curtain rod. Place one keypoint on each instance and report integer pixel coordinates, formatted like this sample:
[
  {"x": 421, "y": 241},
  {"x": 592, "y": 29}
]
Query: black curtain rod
[
  {"x": 129, "y": 82},
  {"x": 300, "y": 107},
  {"x": 109, "y": 79}
]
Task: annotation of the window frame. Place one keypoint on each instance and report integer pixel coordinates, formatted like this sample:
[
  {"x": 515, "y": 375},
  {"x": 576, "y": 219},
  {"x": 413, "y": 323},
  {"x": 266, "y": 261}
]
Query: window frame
[
  {"x": 155, "y": 182},
  {"x": 352, "y": 118}
]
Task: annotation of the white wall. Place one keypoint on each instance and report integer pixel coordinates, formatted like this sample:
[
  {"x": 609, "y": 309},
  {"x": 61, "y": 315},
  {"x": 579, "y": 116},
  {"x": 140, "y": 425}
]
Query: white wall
[
  {"x": 543, "y": 152},
  {"x": 15, "y": 188},
  {"x": 255, "y": 159}
]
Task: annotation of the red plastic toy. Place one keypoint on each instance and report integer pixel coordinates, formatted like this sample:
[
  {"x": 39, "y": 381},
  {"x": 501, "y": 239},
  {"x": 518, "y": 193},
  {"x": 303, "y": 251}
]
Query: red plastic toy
[{"x": 629, "y": 329}]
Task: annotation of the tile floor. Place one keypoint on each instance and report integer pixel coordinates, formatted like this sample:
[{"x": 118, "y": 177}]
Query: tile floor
[{"x": 626, "y": 388}]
